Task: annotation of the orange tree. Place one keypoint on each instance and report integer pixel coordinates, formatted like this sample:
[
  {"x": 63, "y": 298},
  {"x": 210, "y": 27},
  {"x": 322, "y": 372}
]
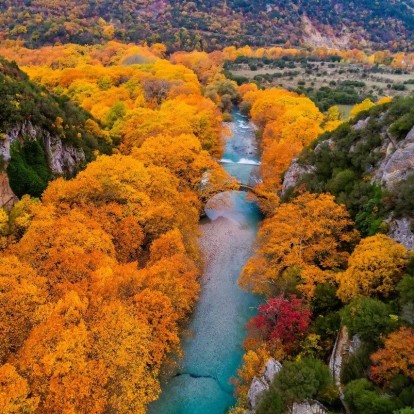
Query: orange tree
[
  {"x": 308, "y": 239},
  {"x": 397, "y": 357}
]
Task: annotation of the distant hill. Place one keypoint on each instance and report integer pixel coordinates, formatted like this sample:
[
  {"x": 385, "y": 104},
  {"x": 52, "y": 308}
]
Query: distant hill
[{"x": 208, "y": 24}]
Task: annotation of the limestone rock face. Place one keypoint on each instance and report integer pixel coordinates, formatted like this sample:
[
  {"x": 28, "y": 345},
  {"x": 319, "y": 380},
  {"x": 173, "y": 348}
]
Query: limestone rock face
[
  {"x": 257, "y": 388},
  {"x": 308, "y": 407},
  {"x": 362, "y": 123},
  {"x": 63, "y": 158},
  {"x": 271, "y": 369},
  {"x": 262, "y": 383},
  {"x": 400, "y": 231},
  {"x": 294, "y": 173},
  {"x": 354, "y": 344},
  {"x": 398, "y": 163}
]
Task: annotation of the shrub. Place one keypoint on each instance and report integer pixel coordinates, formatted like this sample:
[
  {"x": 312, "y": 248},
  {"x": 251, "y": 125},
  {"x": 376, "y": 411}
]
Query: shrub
[
  {"x": 357, "y": 365},
  {"x": 297, "y": 381},
  {"x": 362, "y": 397},
  {"x": 368, "y": 318},
  {"x": 402, "y": 197},
  {"x": 28, "y": 169}
]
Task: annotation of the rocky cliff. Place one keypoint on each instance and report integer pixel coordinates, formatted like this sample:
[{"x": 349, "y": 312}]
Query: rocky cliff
[
  {"x": 398, "y": 160},
  {"x": 368, "y": 164},
  {"x": 261, "y": 384},
  {"x": 42, "y": 136},
  {"x": 7, "y": 197},
  {"x": 63, "y": 158}
]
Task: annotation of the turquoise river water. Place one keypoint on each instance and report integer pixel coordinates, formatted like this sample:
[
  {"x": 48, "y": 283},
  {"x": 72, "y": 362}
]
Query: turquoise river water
[{"x": 213, "y": 351}]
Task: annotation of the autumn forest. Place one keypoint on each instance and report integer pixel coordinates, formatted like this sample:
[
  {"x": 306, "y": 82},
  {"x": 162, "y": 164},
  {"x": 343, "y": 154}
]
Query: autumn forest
[{"x": 124, "y": 147}]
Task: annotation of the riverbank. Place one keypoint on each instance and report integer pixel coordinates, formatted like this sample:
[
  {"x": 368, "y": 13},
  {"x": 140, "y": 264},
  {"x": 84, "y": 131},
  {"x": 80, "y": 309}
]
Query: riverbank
[
  {"x": 213, "y": 349},
  {"x": 213, "y": 346}
]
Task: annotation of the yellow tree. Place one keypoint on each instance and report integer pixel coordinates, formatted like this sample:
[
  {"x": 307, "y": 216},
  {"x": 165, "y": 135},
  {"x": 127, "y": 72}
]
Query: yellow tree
[
  {"x": 374, "y": 268},
  {"x": 4, "y": 228},
  {"x": 288, "y": 123},
  {"x": 332, "y": 119},
  {"x": 253, "y": 364},
  {"x": 363, "y": 106},
  {"x": 59, "y": 362},
  {"x": 132, "y": 340},
  {"x": 22, "y": 291},
  {"x": 184, "y": 157},
  {"x": 122, "y": 343},
  {"x": 21, "y": 215},
  {"x": 176, "y": 277},
  {"x": 305, "y": 239},
  {"x": 66, "y": 249},
  {"x": 15, "y": 392}
]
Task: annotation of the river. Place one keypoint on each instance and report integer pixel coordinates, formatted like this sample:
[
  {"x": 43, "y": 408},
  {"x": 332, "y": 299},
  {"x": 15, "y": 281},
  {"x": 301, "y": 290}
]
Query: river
[{"x": 213, "y": 351}]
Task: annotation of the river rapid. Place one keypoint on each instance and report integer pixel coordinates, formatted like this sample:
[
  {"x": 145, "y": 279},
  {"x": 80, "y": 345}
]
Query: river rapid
[{"x": 213, "y": 351}]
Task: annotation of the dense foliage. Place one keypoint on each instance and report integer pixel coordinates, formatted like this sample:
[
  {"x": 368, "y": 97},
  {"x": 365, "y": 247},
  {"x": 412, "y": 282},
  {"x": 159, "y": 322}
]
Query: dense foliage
[
  {"x": 298, "y": 381},
  {"x": 98, "y": 278},
  {"x": 309, "y": 257},
  {"x": 344, "y": 159},
  {"x": 28, "y": 169},
  {"x": 25, "y": 102}
]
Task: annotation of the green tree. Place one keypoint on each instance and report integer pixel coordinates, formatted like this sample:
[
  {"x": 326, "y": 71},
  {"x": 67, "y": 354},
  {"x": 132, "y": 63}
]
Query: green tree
[
  {"x": 28, "y": 169},
  {"x": 297, "y": 381},
  {"x": 368, "y": 318},
  {"x": 362, "y": 397}
]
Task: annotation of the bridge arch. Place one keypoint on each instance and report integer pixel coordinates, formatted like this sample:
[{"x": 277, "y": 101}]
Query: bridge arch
[
  {"x": 246, "y": 188},
  {"x": 241, "y": 187}
]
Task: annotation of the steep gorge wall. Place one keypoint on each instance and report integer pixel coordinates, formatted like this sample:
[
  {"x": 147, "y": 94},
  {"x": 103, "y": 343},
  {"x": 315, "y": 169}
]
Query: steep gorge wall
[
  {"x": 63, "y": 159},
  {"x": 395, "y": 164}
]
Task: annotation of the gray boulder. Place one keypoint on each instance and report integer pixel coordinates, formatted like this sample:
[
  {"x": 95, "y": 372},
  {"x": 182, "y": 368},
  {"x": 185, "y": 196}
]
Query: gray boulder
[
  {"x": 261, "y": 384},
  {"x": 271, "y": 369},
  {"x": 257, "y": 388},
  {"x": 398, "y": 162}
]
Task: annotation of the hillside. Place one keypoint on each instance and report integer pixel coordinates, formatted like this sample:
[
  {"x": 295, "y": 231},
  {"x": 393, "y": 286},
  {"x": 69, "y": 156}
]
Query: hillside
[
  {"x": 367, "y": 164},
  {"x": 113, "y": 292},
  {"x": 98, "y": 278},
  {"x": 41, "y": 135},
  {"x": 211, "y": 24},
  {"x": 332, "y": 259}
]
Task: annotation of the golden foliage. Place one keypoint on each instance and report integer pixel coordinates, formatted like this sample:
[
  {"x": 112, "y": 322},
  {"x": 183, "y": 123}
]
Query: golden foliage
[
  {"x": 14, "y": 392},
  {"x": 22, "y": 291},
  {"x": 374, "y": 268},
  {"x": 288, "y": 122},
  {"x": 100, "y": 274},
  {"x": 363, "y": 106},
  {"x": 397, "y": 357},
  {"x": 307, "y": 238}
]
